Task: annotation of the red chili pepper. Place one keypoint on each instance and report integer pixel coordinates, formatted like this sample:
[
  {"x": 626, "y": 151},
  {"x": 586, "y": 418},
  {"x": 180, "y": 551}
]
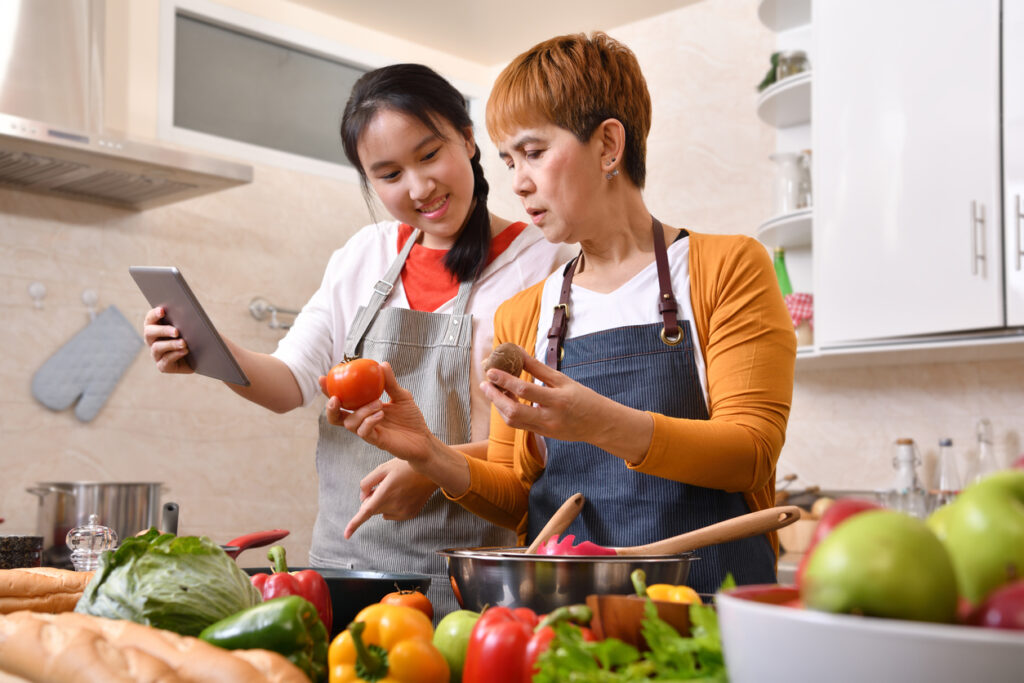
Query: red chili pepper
[
  {"x": 308, "y": 584},
  {"x": 505, "y": 643}
]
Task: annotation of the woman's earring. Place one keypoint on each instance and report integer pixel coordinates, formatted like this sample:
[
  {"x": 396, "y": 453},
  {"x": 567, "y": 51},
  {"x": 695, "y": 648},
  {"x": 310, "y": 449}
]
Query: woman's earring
[{"x": 611, "y": 175}]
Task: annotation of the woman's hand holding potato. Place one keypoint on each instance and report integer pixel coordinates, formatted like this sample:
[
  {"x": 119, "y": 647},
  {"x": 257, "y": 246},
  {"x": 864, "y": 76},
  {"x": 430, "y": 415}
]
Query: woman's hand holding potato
[{"x": 564, "y": 409}]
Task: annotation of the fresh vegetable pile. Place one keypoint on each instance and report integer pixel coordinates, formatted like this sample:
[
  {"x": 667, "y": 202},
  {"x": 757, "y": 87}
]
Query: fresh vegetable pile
[{"x": 181, "y": 584}]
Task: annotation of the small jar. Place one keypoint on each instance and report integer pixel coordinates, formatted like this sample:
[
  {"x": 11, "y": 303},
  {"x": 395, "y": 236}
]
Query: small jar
[{"x": 791, "y": 63}]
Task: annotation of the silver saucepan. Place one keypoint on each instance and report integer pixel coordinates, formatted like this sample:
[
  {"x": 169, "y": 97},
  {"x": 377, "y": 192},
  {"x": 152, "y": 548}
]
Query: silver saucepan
[{"x": 510, "y": 577}]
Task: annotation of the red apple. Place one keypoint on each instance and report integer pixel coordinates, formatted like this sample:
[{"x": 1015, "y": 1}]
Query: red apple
[
  {"x": 1003, "y": 608},
  {"x": 1019, "y": 462},
  {"x": 836, "y": 513}
]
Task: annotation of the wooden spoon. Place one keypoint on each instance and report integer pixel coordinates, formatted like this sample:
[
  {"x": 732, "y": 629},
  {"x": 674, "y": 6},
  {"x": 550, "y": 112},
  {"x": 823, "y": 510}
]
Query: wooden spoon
[
  {"x": 734, "y": 529},
  {"x": 559, "y": 522}
]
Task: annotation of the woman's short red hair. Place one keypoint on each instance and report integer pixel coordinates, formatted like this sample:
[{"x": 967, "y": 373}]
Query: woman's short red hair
[{"x": 576, "y": 81}]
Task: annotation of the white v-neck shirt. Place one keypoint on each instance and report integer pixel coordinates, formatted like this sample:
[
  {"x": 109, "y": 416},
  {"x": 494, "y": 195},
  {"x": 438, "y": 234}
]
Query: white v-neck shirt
[{"x": 635, "y": 302}]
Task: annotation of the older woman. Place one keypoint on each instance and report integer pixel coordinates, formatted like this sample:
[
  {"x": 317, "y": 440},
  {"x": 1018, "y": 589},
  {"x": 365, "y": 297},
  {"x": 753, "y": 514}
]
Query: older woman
[{"x": 659, "y": 366}]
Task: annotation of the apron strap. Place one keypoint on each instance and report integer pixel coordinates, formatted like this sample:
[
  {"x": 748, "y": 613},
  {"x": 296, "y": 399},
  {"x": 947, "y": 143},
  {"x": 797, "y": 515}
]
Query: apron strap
[
  {"x": 455, "y": 320},
  {"x": 559, "y": 323},
  {"x": 381, "y": 292},
  {"x": 667, "y": 306}
]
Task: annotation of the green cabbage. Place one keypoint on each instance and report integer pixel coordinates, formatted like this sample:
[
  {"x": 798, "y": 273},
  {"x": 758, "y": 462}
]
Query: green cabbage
[{"x": 179, "y": 583}]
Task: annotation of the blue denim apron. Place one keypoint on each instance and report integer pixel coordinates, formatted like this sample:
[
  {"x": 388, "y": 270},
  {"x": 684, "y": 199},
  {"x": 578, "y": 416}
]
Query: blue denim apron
[{"x": 635, "y": 366}]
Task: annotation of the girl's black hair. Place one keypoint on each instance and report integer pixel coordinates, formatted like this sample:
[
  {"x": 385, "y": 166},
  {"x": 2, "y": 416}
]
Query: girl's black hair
[{"x": 419, "y": 91}]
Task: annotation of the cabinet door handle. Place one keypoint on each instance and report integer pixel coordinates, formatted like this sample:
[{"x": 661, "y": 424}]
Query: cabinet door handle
[
  {"x": 978, "y": 245},
  {"x": 1017, "y": 225}
]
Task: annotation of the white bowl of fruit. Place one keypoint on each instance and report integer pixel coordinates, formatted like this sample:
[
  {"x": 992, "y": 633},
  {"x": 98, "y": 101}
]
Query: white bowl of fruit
[{"x": 882, "y": 596}]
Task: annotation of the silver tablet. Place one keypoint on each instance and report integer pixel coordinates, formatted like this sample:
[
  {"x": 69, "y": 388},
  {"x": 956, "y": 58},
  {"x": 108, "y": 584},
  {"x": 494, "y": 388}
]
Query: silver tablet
[{"x": 207, "y": 353}]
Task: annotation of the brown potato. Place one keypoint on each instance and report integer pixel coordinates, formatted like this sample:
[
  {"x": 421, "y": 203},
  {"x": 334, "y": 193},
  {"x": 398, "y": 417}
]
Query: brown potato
[{"x": 506, "y": 357}]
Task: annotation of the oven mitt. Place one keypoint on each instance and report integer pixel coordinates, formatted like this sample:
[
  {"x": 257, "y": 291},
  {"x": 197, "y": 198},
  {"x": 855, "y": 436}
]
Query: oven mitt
[{"x": 87, "y": 368}]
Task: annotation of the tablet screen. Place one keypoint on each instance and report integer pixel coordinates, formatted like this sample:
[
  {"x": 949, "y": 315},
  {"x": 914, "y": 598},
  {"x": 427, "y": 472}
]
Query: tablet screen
[{"x": 208, "y": 354}]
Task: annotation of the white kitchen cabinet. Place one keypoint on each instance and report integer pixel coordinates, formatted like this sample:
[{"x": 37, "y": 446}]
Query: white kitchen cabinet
[
  {"x": 907, "y": 219},
  {"x": 1013, "y": 158}
]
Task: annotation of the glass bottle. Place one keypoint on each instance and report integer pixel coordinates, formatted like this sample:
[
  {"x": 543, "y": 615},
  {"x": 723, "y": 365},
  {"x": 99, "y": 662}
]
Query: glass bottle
[
  {"x": 790, "y": 63},
  {"x": 804, "y": 192},
  {"x": 907, "y": 494},
  {"x": 88, "y": 542},
  {"x": 987, "y": 463},
  {"x": 789, "y": 173},
  {"x": 781, "y": 273},
  {"x": 949, "y": 475}
]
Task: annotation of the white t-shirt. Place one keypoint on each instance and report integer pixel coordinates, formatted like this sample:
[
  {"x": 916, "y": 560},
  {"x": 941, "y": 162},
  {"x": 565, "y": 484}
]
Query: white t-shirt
[
  {"x": 316, "y": 340},
  {"x": 633, "y": 303}
]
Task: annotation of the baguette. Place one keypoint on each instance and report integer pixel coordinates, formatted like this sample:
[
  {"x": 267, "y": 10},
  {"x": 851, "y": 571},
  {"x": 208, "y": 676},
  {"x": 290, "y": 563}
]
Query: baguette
[
  {"x": 41, "y": 589},
  {"x": 80, "y": 647}
]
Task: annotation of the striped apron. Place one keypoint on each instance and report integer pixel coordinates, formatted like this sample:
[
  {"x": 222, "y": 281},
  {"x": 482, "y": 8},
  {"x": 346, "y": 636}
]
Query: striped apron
[
  {"x": 637, "y": 367},
  {"x": 430, "y": 354}
]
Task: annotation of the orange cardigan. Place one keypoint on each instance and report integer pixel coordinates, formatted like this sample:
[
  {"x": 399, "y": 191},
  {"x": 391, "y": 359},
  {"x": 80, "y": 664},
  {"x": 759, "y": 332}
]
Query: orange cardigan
[{"x": 749, "y": 346}]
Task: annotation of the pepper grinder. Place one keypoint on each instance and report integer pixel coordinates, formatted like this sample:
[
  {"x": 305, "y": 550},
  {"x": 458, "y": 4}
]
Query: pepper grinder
[{"x": 88, "y": 542}]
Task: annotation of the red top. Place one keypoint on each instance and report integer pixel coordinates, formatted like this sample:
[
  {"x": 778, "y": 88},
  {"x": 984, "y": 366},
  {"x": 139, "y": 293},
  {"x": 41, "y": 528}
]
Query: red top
[{"x": 427, "y": 283}]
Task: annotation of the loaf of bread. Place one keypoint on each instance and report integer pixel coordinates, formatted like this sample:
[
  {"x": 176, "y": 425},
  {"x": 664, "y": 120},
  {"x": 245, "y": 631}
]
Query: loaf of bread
[
  {"x": 41, "y": 589},
  {"x": 79, "y": 647}
]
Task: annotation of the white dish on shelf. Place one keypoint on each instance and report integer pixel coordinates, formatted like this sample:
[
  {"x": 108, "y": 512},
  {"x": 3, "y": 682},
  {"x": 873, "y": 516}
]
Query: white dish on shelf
[
  {"x": 780, "y": 15},
  {"x": 786, "y": 102},
  {"x": 789, "y": 231},
  {"x": 757, "y": 630}
]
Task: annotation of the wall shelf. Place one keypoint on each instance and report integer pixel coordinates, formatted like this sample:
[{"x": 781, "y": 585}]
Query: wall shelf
[
  {"x": 789, "y": 231},
  {"x": 995, "y": 345},
  {"x": 786, "y": 103},
  {"x": 781, "y": 15}
]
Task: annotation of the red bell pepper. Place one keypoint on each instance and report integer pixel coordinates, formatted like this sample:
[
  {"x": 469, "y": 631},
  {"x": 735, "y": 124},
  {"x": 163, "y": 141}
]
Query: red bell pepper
[
  {"x": 308, "y": 584},
  {"x": 505, "y": 643}
]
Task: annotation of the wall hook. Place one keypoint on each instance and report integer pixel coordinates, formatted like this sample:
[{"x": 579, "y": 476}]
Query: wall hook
[
  {"x": 260, "y": 308},
  {"x": 89, "y": 298},
  {"x": 37, "y": 290}
]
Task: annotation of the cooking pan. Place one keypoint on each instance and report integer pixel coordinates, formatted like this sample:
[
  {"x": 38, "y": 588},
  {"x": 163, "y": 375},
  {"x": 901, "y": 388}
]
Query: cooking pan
[
  {"x": 353, "y": 589},
  {"x": 257, "y": 539},
  {"x": 509, "y": 577}
]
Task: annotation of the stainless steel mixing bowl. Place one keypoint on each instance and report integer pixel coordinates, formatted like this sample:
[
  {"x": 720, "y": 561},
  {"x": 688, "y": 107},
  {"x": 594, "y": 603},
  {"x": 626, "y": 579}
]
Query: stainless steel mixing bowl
[{"x": 509, "y": 578}]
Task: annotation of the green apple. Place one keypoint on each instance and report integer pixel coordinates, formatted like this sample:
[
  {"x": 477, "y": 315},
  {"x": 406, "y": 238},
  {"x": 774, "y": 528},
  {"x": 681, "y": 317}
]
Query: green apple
[
  {"x": 451, "y": 637},
  {"x": 882, "y": 563},
  {"x": 983, "y": 529}
]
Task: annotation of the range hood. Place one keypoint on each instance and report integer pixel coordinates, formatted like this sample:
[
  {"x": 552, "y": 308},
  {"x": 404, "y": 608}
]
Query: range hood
[{"x": 52, "y": 137}]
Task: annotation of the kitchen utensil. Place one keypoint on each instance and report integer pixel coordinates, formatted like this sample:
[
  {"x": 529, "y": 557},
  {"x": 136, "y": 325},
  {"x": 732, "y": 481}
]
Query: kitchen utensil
[
  {"x": 621, "y": 616},
  {"x": 125, "y": 507},
  {"x": 509, "y": 577},
  {"x": 757, "y": 627},
  {"x": 351, "y": 589},
  {"x": 734, "y": 529},
  {"x": 257, "y": 539},
  {"x": 559, "y": 521},
  {"x": 169, "y": 518}
]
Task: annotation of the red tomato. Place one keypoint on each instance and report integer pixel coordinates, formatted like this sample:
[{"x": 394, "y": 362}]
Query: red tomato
[
  {"x": 356, "y": 382},
  {"x": 410, "y": 598}
]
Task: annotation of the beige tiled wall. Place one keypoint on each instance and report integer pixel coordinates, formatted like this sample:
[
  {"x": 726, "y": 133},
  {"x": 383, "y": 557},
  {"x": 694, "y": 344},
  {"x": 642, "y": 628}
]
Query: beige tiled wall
[{"x": 234, "y": 467}]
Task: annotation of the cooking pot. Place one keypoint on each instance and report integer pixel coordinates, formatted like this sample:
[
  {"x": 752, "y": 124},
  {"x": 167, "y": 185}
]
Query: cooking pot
[
  {"x": 510, "y": 577},
  {"x": 125, "y": 507}
]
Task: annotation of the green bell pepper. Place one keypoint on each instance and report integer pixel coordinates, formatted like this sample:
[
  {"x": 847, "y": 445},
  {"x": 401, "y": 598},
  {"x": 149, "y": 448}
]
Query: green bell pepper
[{"x": 288, "y": 625}]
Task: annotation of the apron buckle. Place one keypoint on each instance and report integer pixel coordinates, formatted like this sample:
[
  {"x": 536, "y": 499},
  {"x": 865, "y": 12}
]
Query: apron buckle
[{"x": 673, "y": 340}]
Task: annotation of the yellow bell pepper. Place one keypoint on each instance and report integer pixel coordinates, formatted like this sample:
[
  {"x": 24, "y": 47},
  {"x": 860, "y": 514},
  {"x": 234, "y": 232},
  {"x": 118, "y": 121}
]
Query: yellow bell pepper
[
  {"x": 670, "y": 593},
  {"x": 387, "y": 644}
]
